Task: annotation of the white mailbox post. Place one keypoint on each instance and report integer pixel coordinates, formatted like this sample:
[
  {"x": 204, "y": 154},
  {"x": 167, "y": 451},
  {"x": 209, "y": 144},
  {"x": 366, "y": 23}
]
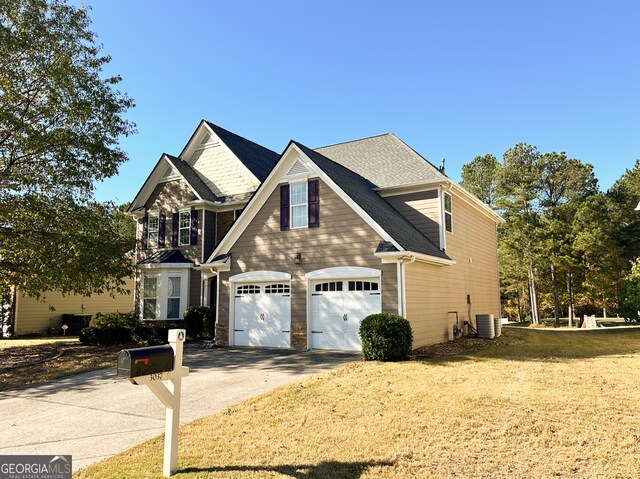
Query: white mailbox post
[{"x": 165, "y": 384}]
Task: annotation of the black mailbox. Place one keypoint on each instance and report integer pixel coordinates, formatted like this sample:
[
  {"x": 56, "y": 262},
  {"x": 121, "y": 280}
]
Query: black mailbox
[{"x": 133, "y": 363}]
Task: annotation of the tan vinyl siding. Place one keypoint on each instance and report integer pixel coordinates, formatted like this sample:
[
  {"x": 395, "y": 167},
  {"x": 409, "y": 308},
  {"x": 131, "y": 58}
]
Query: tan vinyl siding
[
  {"x": 225, "y": 220},
  {"x": 433, "y": 292},
  {"x": 221, "y": 171},
  {"x": 342, "y": 239},
  {"x": 195, "y": 286},
  {"x": 35, "y": 316},
  {"x": 422, "y": 210},
  {"x": 168, "y": 198},
  {"x": 209, "y": 237}
]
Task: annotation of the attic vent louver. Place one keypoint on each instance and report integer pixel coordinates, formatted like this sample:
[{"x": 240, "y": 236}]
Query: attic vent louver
[
  {"x": 169, "y": 173},
  {"x": 297, "y": 169}
]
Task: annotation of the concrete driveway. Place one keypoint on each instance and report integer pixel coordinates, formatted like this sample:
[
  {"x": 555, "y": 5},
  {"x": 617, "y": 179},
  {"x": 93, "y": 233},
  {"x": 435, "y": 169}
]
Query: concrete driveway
[{"x": 95, "y": 415}]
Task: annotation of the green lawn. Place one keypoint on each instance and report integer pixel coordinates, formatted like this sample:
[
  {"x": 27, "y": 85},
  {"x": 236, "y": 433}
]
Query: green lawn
[{"x": 535, "y": 404}]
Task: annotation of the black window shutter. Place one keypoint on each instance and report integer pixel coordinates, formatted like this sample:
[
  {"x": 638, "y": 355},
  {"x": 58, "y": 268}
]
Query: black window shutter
[
  {"x": 174, "y": 230},
  {"x": 314, "y": 204},
  {"x": 161, "y": 224},
  {"x": 284, "y": 207},
  {"x": 145, "y": 231},
  {"x": 194, "y": 227}
]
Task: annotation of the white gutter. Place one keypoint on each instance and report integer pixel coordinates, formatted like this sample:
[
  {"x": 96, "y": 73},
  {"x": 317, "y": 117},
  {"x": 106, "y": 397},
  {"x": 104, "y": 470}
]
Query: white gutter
[
  {"x": 402, "y": 281},
  {"x": 393, "y": 256}
]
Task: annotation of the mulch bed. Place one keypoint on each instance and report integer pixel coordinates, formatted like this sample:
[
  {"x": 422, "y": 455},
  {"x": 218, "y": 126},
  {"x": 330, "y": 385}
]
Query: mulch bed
[
  {"x": 466, "y": 344},
  {"x": 23, "y": 365}
]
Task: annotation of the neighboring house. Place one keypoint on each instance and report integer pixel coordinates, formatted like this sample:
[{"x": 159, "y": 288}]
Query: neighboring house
[
  {"x": 325, "y": 237},
  {"x": 44, "y": 315}
]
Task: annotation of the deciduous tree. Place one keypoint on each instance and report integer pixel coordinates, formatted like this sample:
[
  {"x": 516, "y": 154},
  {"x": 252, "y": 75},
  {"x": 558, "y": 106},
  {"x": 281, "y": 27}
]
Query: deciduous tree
[{"x": 60, "y": 122}]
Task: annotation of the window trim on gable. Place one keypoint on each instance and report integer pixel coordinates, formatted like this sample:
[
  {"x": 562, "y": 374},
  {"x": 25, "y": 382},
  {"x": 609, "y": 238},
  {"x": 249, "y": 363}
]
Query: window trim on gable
[
  {"x": 311, "y": 204},
  {"x": 447, "y": 212},
  {"x": 304, "y": 205}
]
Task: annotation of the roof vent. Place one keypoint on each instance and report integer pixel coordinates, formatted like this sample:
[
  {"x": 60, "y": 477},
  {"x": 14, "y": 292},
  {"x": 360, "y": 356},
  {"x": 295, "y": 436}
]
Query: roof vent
[{"x": 298, "y": 169}]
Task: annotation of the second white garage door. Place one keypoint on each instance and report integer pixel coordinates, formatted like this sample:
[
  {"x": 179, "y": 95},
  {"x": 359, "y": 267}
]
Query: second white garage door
[
  {"x": 338, "y": 307},
  {"x": 262, "y": 314}
]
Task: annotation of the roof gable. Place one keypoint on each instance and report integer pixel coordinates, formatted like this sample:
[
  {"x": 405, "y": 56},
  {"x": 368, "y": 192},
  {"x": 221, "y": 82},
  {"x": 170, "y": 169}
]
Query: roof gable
[
  {"x": 357, "y": 191},
  {"x": 384, "y": 160},
  {"x": 178, "y": 170},
  {"x": 258, "y": 159},
  {"x": 227, "y": 163},
  {"x": 360, "y": 190}
]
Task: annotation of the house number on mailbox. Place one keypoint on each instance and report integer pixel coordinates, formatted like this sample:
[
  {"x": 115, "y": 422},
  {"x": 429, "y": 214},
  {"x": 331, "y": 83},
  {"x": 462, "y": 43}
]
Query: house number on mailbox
[{"x": 156, "y": 376}]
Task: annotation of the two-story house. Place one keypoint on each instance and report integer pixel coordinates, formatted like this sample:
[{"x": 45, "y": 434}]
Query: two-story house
[
  {"x": 322, "y": 238},
  {"x": 184, "y": 208}
]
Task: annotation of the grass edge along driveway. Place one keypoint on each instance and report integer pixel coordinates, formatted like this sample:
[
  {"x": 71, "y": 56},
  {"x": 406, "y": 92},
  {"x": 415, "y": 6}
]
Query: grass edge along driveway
[{"x": 544, "y": 406}]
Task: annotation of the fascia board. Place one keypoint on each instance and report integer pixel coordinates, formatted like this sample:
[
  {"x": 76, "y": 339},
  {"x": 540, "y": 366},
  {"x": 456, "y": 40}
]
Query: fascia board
[
  {"x": 147, "y": 188},
  {"x": 194, "y": 141},
  {"x": 393, "y": 256},
  {"x": 471, "y": 200},
  {"x": 182, "y": 177},
  {"x": 166, "y": 266}
]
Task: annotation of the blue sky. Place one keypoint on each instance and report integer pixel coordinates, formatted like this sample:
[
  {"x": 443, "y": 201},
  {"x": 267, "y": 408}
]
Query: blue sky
[{"x": 453, "y": 79}]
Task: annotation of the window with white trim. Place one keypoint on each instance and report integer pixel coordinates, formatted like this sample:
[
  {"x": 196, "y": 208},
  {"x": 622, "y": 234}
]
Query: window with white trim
[
  {"x": 150, "y": 297},
  {"x": 448, "y": 216},
  {"x": 153, "y": 225},
  {"x": 248, "y": 289},
  {"x": 299, "y": 207},
  {"x": 363, "y": 286},
  {"x": 174, "y": 285},
  {"x": 184, "y": 228},
  {"x": 277, "y": 288},
  {"x": 329, "y": 286}
]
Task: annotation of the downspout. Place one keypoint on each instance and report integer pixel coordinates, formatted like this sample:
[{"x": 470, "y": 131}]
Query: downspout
[{"x": 402, "y": 291}]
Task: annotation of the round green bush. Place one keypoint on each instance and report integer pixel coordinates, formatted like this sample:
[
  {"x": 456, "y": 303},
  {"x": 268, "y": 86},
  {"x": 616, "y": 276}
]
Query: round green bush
[
  {"x": 385, "y": 337},
  {"x": 114, "y": 320}
]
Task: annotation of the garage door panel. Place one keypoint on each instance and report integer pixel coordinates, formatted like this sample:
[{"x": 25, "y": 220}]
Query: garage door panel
[
  {"x": 262, "y": 315},
  {"x": 336, "y": 312}
]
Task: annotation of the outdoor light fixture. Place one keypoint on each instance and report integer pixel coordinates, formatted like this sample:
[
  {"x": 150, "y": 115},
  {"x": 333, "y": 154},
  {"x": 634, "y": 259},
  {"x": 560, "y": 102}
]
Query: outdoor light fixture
[{"x": 298, "y": 258}]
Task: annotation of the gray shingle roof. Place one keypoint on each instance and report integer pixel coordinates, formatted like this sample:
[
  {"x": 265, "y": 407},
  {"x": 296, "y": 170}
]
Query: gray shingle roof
[
  {"x": 359, "y": 190},
  {"x": 384, "y": 160},
  {"x": 192, "y": 178},
  {"x": 257, "y": 158},
  {"x": 170, "y": 256}
]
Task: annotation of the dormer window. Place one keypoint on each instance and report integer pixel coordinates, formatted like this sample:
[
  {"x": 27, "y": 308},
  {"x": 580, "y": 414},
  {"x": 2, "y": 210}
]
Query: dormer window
[
  {"x": 184, "y": 234},
  {"x": 153, "y": 226}
]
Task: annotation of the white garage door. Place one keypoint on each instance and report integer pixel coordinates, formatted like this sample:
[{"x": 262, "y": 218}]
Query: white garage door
[
  {"x": 338, "y": 307},
  {"x": 262, "y": 314}
]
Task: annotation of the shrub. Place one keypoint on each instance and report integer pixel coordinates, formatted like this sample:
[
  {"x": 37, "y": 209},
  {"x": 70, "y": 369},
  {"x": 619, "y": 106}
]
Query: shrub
[
  {"x": 197, "y": 319},
  {"x": 106, "y": 336},
  {"x": 114, "y": 320},
  {"x": 108, "y": 329},
  {"x": 385, "y": 337},
  {"x": 154, "y": 332}
]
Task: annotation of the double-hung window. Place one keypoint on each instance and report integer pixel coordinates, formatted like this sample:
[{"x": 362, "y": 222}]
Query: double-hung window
[
  {"x": 299, "y": 207},
  {"x": 173, "y": 296},
  {"x": 153, "y": 225},
  {"x": 184, "y": 234},
  {"x": 150, "y": 297},
  {"x": 448, "y": 216}
]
